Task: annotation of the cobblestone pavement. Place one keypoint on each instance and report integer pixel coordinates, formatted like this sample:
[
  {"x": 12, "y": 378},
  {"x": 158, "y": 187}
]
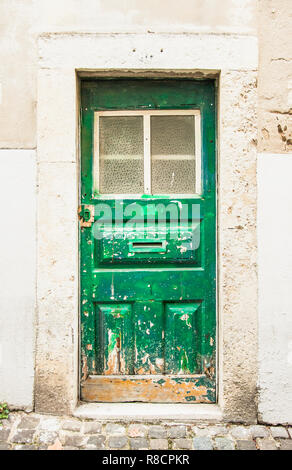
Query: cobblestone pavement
[{"x": 30, "y": 431}]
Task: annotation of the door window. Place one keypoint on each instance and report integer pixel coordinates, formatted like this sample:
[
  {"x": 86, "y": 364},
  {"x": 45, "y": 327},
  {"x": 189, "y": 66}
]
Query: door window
[{"x": 150, "y": 152}]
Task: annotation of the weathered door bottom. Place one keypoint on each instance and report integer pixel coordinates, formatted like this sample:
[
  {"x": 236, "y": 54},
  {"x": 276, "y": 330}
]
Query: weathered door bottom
[{"x": 158, "y": 389}]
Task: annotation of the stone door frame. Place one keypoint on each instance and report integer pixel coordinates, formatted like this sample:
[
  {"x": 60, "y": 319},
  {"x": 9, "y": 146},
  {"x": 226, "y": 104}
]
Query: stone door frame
[{"x": 63, "y": 59}]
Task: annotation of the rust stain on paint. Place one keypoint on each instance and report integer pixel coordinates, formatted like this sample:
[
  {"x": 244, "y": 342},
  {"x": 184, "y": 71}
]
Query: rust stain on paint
[{"x": 86, "y": 215}]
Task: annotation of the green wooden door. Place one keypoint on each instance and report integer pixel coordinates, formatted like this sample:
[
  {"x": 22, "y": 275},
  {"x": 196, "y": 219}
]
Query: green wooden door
[{"x": 148, "y": 240}]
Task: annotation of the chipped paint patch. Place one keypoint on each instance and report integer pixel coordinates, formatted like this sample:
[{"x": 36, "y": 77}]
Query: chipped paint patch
[{"x": 155, "y": 389}]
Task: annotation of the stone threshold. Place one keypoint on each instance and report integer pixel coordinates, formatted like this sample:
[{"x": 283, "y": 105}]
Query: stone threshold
[{"x": 149, "y": 412}]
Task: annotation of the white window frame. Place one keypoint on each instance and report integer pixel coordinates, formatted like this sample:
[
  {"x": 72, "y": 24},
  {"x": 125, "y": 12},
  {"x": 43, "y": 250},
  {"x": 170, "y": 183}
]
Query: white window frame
[{"x": 147, "y": 148}]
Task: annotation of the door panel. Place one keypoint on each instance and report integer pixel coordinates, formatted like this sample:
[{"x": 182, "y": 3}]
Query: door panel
[
  {"x": 114, "y": 338},
  {"x": 182, "y": 338},
  {"x": 147, "y": 241}
]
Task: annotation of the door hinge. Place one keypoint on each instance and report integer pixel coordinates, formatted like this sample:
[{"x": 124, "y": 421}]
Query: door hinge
[{"x": 86, "y": 215}]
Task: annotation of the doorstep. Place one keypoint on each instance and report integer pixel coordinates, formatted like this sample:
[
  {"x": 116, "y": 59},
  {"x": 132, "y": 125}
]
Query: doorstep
[{"x": 149, "y": 412}]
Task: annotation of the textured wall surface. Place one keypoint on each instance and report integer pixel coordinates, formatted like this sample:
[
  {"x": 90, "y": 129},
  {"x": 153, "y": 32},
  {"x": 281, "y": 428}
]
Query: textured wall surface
[
  {"x": 237, "y": 244},
  {"x": 18, "y": 53},
  {"x": 275, "y": 76}
]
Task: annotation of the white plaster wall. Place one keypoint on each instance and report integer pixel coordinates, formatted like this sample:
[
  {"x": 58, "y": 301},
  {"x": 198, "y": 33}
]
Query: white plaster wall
[
  {"x": 275, "y": 287},
  {"x": 21, "y": 22},
  {"x": 219, "y": 16},
  {"x": 17, "y": 276}
]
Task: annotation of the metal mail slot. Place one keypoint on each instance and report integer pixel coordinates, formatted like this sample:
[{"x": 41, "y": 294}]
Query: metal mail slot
[{"x": 147, "y": 246}]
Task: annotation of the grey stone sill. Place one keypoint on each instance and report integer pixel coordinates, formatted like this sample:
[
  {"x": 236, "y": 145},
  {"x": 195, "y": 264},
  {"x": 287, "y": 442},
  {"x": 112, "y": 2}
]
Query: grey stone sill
[{"x": 149, "y": 412}]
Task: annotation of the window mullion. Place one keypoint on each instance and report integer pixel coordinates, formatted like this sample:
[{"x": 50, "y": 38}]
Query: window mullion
[{"x": 147, "y": 155}]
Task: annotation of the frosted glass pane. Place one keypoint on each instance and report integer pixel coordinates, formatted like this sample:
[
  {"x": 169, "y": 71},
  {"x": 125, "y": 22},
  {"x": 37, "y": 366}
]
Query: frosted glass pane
[
  {"x": 173, "y": 162},
  {"x": 121, "y": 153}
]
